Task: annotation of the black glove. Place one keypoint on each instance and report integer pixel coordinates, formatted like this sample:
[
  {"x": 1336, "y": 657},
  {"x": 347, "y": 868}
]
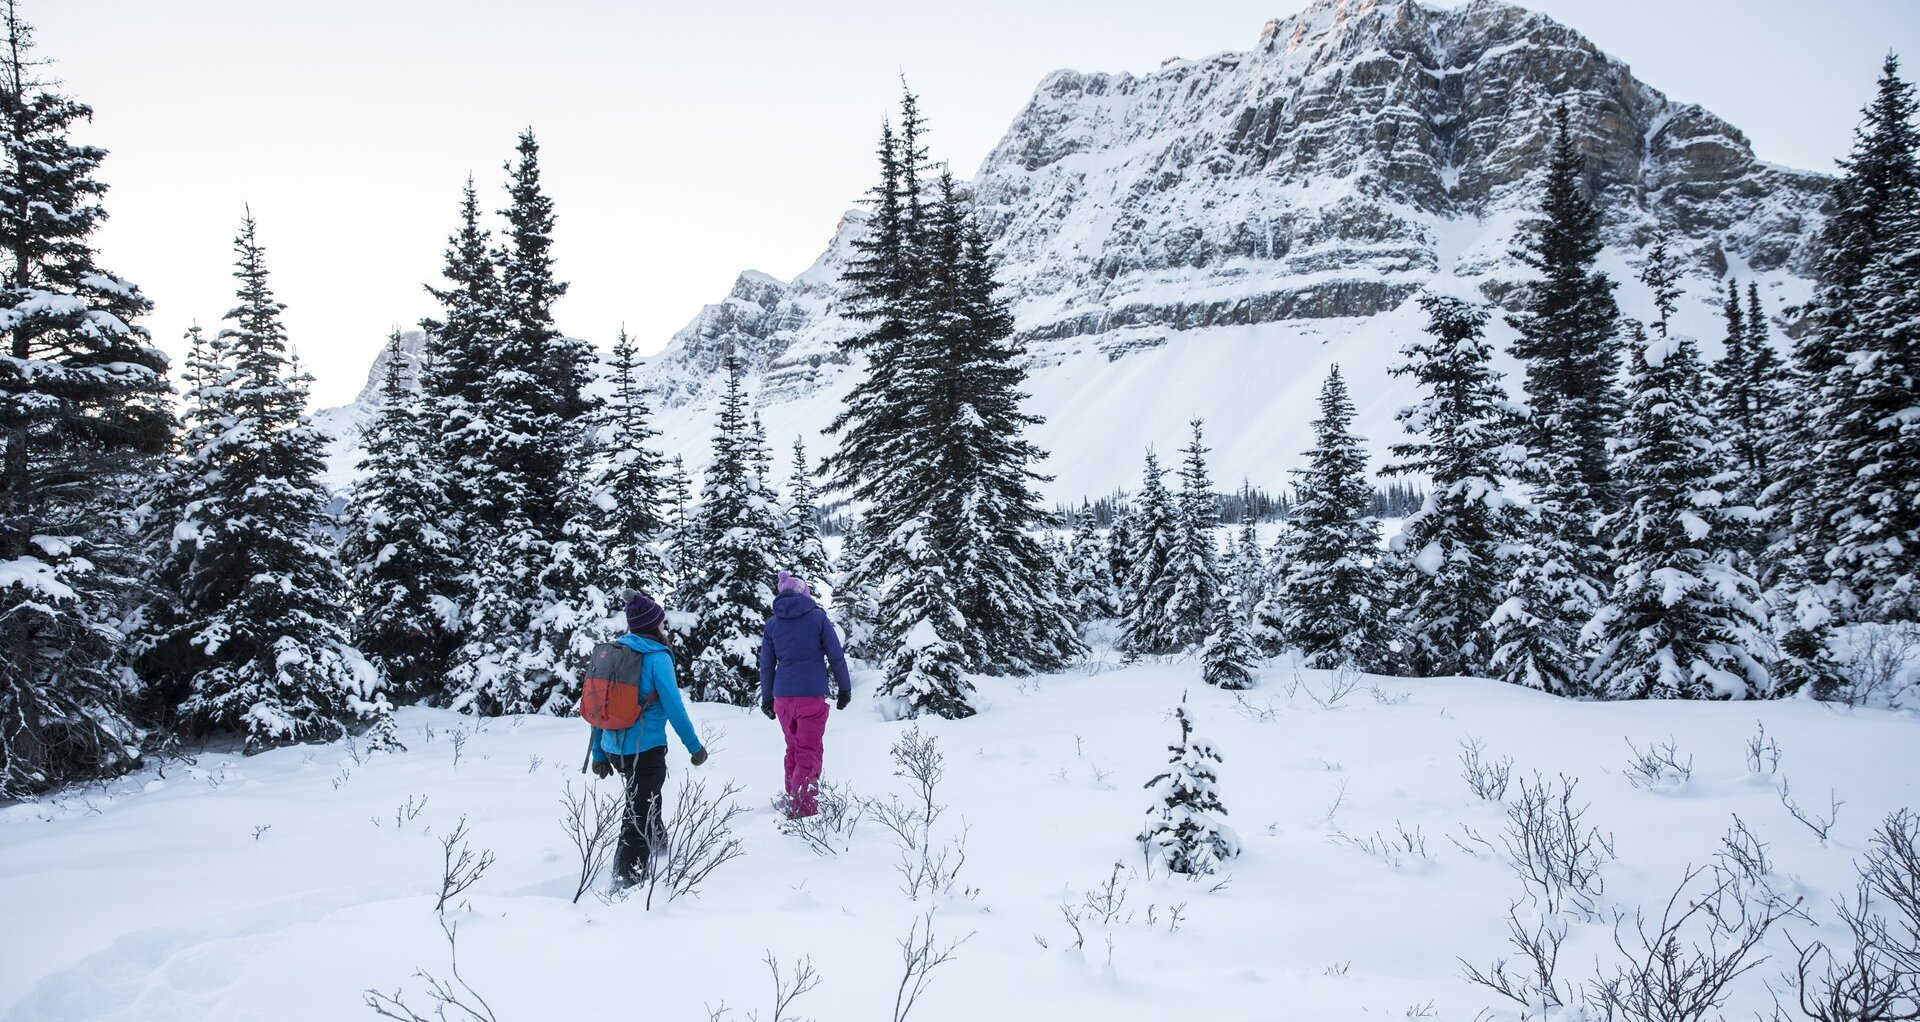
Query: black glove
[
  {"x": 840, "y": 701},
  {"x": 766, "y": 707},
  {"x": 603, "y": 769},
  {"x": 700, "y": 757}
]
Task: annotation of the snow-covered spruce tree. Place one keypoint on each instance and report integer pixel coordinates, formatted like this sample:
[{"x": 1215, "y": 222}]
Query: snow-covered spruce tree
[
  {"x": 677, "y": 495},
  {"x": 1089, "y": 577},
  {"x": 262, "y": 597},
  {"x": 1119, "y": 546},
  {"x": 1194, "y": 565},
  {"x": 1250, "y": 580},
  {"x": 1228, "y": 655},
  {"x": 627, "y": 483},
  {"x": 935, "y": 427},
  {"x": 1876, "y": 526},
  {"x": 1447, "y": 555},
  {"x": 1681, "y": 620},
  {"x": 1745, "y": 400},
  {"x": 537, "y": 608},
  {"x": 1153, "y": 527},
  {"x": 971, "y": 459},
  {"x": 84, "y": 424},
  {"x": 1183, "y": 830},
  {"x": 1331, "y": 593},
  {"x": 1568, "y": 339},
  {"x": 735, "y": 559},
  {"x": 881, "y": 281},
  {"x": 1816, "y": 481},
  {"x": 923, "y": 668},
  {"x": 804, "y": 553},
  {"x": 457, "y": 363},
  {"x": 402, "y": 566}
]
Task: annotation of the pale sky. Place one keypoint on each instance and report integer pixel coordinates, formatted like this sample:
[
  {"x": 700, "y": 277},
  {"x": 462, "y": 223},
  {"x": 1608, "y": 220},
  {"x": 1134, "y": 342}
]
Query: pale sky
[{"x": 685, "y": 142}]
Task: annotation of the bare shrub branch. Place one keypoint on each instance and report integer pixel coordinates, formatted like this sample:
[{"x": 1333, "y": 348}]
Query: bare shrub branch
[
  {"x": 591, "y": 819},
  {"x": 1486, "y": 778},
  {"x": 461, "y": 869},
  {"x": 450, "y": 995}
]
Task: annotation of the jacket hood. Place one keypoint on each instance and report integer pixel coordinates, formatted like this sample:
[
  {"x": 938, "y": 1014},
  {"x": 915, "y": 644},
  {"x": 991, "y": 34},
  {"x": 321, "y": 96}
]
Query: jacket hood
[{"x": 792, "y": 605}]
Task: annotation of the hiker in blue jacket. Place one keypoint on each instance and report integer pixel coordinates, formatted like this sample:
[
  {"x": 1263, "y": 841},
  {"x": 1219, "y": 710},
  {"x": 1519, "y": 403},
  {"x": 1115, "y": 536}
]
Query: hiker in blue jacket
[
  {"x": 639, "y": 752},
  {"x": 797, "y": 649}
]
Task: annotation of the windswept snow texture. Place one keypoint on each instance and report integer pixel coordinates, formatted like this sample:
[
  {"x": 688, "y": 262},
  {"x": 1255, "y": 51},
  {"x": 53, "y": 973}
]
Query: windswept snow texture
[{"x": 280, "y": 886}]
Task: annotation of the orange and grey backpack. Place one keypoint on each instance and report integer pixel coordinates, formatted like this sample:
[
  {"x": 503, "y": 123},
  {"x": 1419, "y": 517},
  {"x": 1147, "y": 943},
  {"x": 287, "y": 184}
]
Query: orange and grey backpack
[{"x": 610, "y": 697}]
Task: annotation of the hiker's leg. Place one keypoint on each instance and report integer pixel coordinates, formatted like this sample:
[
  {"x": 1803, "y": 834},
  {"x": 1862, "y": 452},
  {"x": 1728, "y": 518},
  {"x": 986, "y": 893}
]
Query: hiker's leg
[
  {"x": 649, "y": 777},
  {"x": 632, "y": 839},
  {"x": 785, "y": 709},
  {"x": 810, "y": 729}
]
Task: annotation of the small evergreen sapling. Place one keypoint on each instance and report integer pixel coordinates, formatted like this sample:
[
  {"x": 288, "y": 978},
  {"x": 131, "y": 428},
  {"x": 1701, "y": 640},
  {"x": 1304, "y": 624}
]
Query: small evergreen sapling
[
  {"x": 1090, "y": 578},
  {"x": 1183, "y": 829}
]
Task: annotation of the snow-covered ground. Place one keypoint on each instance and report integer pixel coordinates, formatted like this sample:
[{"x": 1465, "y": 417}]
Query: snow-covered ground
[{"x": 281, "y": 886}]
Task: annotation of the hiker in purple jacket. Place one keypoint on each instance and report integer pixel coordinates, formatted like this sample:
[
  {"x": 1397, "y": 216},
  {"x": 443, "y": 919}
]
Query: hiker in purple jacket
[{"x": 795, "y": 651}]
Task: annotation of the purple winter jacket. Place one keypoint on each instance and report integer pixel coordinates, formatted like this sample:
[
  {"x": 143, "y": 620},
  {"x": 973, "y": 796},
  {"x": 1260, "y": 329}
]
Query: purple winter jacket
[{"x": 798, "y": 645}]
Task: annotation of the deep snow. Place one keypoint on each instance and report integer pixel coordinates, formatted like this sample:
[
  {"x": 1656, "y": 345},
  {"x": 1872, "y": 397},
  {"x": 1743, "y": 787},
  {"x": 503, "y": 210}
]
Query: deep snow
[{"x": 155, "y": 899}]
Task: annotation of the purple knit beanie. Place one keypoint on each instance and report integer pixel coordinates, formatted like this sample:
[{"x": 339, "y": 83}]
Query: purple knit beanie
[
  {"x": 643, "y": 613},
  {"x": 789, "y": 584}
]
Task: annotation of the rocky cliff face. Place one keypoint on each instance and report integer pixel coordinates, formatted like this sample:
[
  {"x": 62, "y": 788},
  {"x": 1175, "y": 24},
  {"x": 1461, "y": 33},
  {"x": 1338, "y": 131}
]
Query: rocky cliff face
[{"x": 1362, "y": 149}]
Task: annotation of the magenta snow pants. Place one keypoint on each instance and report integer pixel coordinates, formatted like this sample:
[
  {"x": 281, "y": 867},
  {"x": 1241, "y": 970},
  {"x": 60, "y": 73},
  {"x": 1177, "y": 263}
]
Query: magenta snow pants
[{"x": 803, "y": 720}]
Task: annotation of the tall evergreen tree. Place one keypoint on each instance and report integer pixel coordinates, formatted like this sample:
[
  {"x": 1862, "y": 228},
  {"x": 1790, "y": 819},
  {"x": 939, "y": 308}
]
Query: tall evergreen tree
[
  {"x": 262, "y": 596},
  {"x": 458, "y": 363},
  {"x": 677, "y": 493},
  {"x": 1813, "y": 477},
  {"x": 627, "y": 485},
  {"x": 1448, "y": 553},
  {"x": 1681, "y": 620},
  {"x": 537, "y": 606},
  {"x": 934, "y": 433},
  {"x": 83, "y": 418},
  {"x": 1876, "y": 553},
  {"x": 1332, "y": 594},
  {"x": 1196, "y": 588},
  {"x": 805, "y": 554},
  {"x": 401, "y": 564},
  {"x": 1153, "y": 528},
  {"x": 1568, "y": 337},
  {"x": 737, "y": 534}
]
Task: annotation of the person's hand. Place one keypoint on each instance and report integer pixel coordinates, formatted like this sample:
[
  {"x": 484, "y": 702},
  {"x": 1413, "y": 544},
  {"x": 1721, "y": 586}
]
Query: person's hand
[
  {"x": 699, "y": 757},
  {"x": 603, "y": 769},
  {"x": 840, "y": 701},
  {"x": 766, "y": 707}
]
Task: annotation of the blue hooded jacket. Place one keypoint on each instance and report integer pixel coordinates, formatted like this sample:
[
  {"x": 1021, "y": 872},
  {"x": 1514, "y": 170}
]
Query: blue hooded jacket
[
  {"x": 650, "y": 731},
  {"x": 796, "y": 649}
]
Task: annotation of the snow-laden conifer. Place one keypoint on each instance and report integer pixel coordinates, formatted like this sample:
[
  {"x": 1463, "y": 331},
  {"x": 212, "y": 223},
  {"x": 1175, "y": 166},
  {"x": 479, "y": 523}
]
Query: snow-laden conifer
[
  {"x": 1194, "y": 564},
  {"x": 263, "y": 630},
  {"x": 402, "y": 566},
  {"x": 1447, "y": 555},
  {"x": 735, "y": 558},
  {"x": 84, "y": 426},
  {"x": 1184, "y": 831},
  {"x": 1681, "y": 619},
  {"x": 1089, "y": 573},
  {"x": 1153, "y": 535},
  {"x": 1331, "y": 593}
]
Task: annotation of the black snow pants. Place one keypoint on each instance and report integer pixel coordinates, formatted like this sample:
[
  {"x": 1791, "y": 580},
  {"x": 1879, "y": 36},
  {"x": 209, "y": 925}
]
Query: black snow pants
[{"x": 645, "y": 773}]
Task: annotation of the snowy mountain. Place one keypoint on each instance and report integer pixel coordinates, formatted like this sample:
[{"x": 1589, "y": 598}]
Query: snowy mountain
[{"x": 1204, "y": 240}]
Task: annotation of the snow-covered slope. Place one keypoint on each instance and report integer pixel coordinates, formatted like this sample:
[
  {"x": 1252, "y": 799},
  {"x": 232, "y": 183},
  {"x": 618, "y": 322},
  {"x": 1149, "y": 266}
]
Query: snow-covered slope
[
  {"x": 282, "y": 885},
  {"x": 1204, "y": 240}
]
